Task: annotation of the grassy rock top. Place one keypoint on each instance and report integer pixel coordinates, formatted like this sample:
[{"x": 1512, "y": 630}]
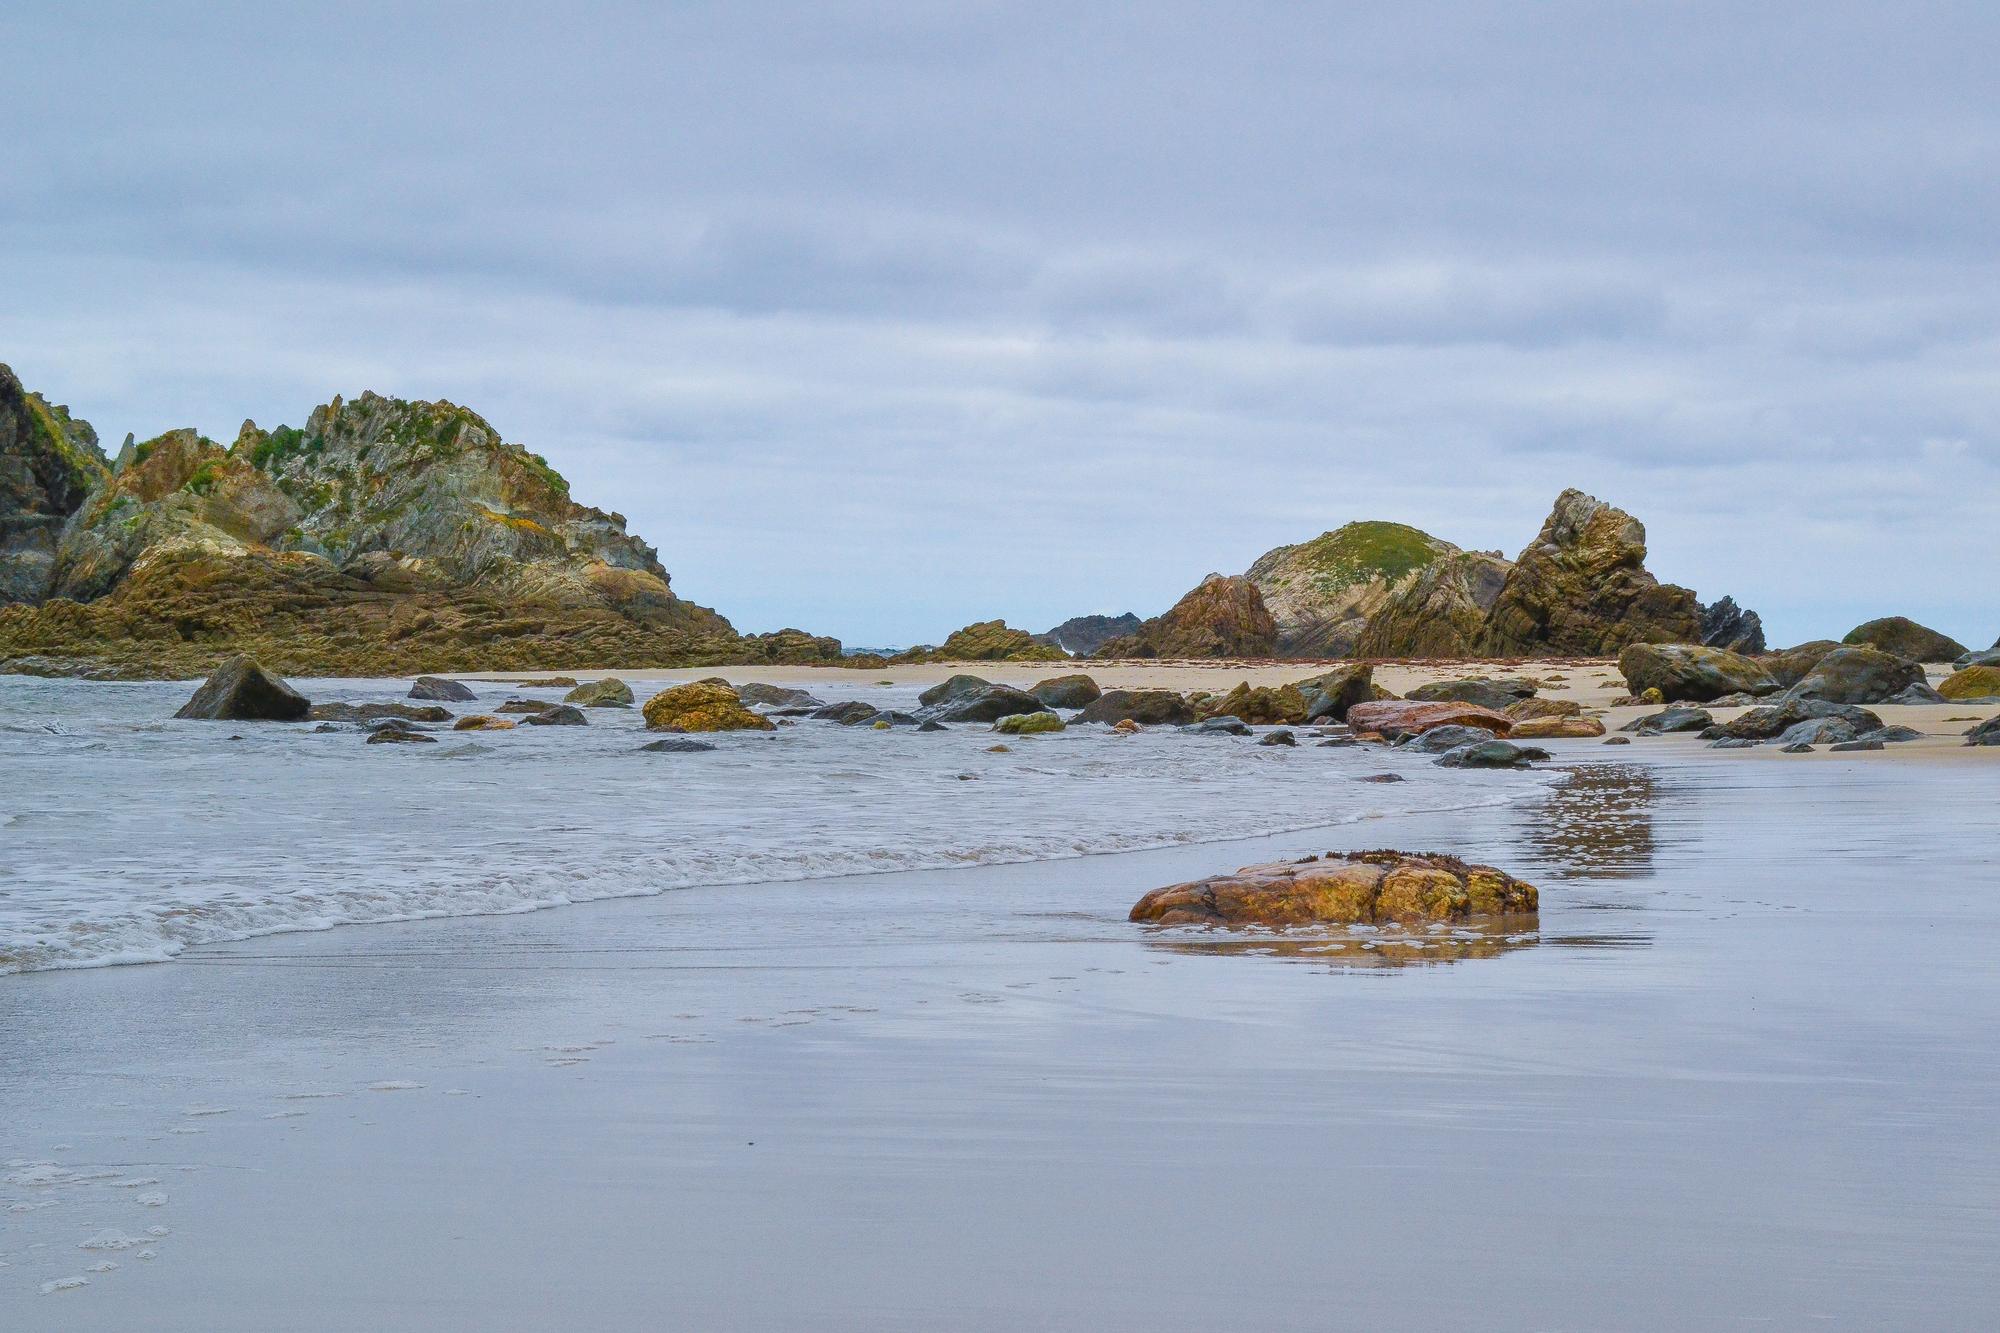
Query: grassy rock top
[{"x": 1342, "y": 887}]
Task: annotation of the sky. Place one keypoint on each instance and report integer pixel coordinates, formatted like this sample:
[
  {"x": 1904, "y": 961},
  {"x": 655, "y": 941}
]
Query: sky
[{"x": 880, "y": 318}]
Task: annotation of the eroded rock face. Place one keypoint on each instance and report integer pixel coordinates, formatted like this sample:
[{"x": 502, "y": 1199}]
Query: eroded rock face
[
  {"x": 1343, "y": 888},
  {"x": 1223, "y": 617},
  {"x": 1685, "y": 671},
  {"x": 702, "y": 706},
  {"x": 1582, "y": 588},
  {"x": 1075, "y": 691},
  {"x": 1323, "y": 593},
  {"x": 1080, "y": 636},
  {"x": 49, "y": 463},
  {"x": 1397, "y": 717},
  {"x": 1858, "y": 676},
  {"x": 241, "y": 691},
  {"x": 1141, "y": 707},
  {"x": 1727, "y": 625},
  {"x": 1440, "y": 611},
  {"x": 1903, "y": 637}
]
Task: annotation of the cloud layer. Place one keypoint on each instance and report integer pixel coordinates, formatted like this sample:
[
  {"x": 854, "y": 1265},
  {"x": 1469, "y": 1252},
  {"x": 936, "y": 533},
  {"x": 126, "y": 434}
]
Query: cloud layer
[{"x": 876, "y": 318}]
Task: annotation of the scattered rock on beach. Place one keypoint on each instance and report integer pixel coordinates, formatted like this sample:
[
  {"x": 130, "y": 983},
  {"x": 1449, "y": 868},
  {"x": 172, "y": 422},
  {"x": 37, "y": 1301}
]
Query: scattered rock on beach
[
  {"x": 1617, "y": 740},
  {"x": 1395, "y": 717},
  {"x": 1692, "y": 673},
  {"x": 1669, "y": 721},
  {"x": 483, "y": 722},
  {"x": 1331, "y": 693},
  {"x": 610, "y": 692},
  {"x": 700, "y": 706},
  {"x": 1259, "y": 705},
  {"x": 1491, "y": 754},
  {"x": 241, "y": 691},
  {"x": 1986, "y": 733},
  {"x": 1859, "y": 743},
  {"x": 676, "y": 745},
  {"x": 1382, "y": 777},
  {"x": 1762, "y": 724},
  {"x": 1857, "y": 676},
  {"x": 989, "y": 703},
  {"x": 441, "y": 690},
  {"x": 1524, "y": 710},
  {"x": 1342, "y": 888},
  {"x": 1556, "y": 728},
  {"x": 1439, "y": 739},
  {"x": 1818, "y": 731},
  {"x": 847, "y": 713}
]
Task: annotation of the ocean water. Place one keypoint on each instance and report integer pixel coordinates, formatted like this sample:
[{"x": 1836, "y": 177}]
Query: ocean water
[{"x": 126, "y": 836}]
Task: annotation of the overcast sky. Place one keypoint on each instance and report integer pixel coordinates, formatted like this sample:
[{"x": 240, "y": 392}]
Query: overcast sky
[{"x": 878, "y": 318}]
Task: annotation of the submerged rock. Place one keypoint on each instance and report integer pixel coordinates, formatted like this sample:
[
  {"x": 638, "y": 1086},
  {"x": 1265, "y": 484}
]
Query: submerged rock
[
  {"x": 441, "y": 690},
  {"x": 700, "y": 706},
  {"x": 847, "y": 713},
  {"x": 1904, "y": 637},
  {"x": 399, "y": 736},
  {"x": 1686, "y": 671},
  {"x": 1144, "y": 707},
  {"x": 1218, "y": 726},
  {"x": 1342, "y": 888},
  {"x": 1279, "y": 737},
  {"x": 610, "y": 692},
  {"x": 676, "y": 745},
  {"x": 1029, "y": 724},
  {"x": 241, "y": 691},
  {"x": 1439, "y": 739}
]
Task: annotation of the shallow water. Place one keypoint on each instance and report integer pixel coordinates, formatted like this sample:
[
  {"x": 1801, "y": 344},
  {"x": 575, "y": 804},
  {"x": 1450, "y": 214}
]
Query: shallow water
[
  {"x": 1744, "y": 1074},
  {"x": 126, "y": 836}
]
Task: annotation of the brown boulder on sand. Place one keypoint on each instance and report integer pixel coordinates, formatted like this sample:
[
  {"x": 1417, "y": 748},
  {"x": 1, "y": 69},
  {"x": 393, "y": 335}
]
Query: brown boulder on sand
[
  {"x": 1342, "y": 887},
  {"x": 1394, "y": 717}
]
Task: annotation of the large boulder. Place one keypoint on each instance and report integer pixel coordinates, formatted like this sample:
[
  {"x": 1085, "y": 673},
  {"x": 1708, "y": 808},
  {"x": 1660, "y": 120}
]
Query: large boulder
[
  {"x": 1331, "y": 693},
  {"x": 988, "y": 704},
  {"x": 1074, "y": 691},
  {"x": 1817, "y": 731},
  {"x": 1858, "y": 676},
  {"x": 1261, "y": 705},
  {"x": 1490, "y": 754},
  {"x": 1685, "y": 671},
  {"x": 49, "y": 464},
  {"x": 1222, "y": 617},
  {"x": 848, "y": 713},
  {"x": 610, "y": 692},
  {"x": 1343, "y": 887},
  {"x": 1399, "y": 717},
  {"x": 559, "y": 715},
  {"x": 1497, "y": 693},
  {"x": 954, "y": 687},
  {"x": 1582, "y": 588},
  {"x": 1789, "y": 666},
  {"x": 1973, "y": 682},
  {"x": 1322, "y": 594},
  {"x": 1904, "y": 637},
  {"x": 1148, "y": 708},
  {"x": 1028, "y": 724},
  {"x": 1080, "y": 636},
  {"x": 1727, "y": 625},
  {"x": 702, "y": 706},
  {"x": 441, "y": 690},
  {"x": 1773, "y": 720},
  {"x": 241, "y": 691}
]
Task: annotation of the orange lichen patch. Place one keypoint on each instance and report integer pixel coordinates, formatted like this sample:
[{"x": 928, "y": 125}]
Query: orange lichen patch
[{"x": 1342, "y": 888}]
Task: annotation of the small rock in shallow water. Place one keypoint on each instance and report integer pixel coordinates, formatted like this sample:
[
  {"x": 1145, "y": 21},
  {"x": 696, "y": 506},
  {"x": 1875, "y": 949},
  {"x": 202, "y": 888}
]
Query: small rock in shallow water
[
  {"x": 1342, "y": 887},
  {"x": 1439, "y": 739},
  {"x": 928, "y": 725},
  {"x": 441, "y": 690},
  {"x": 1218, "y": 726},
  {"x": 1029, "y": 724},
  {"x": 1617, "y": 740},
  {"x": 1382, "y": 777},
  {"x": 1894, "y": 734},
  {"x": 675, "y": 745},
  {"x": 1278, "y": 737},
  {"x": 1733, "y": 743},
  {"x": 392, "y": 735},
  {"x": 1491, "y": 754},
  {"x": 483, "y": 722},
  {"x": 562, "y": 715},
  {"x": 610, "y": 692}
]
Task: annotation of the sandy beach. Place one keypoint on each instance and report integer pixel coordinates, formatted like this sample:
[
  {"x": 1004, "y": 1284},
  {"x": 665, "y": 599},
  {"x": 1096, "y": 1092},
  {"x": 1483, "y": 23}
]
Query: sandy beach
[{"x": 1732, "y": 1078}]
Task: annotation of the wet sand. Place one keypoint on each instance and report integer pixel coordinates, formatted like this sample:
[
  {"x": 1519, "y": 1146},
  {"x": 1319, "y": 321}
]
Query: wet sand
[{"x": 1743, "y": 1073}]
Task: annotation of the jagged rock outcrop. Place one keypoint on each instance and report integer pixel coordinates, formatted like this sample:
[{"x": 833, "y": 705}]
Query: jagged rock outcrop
[
  {"x": 1582, "y": 588},
  {"x": 1324, "y": 593},
  {"x": 49, "y": 464},
  {"x": 1906, "y": 638},
  {"x": 383, "y": 537},
  {"x": 1224, "y": 616},
  {"x": 1440, "y": 611},
  {"x": 1726, "y": 625},
  {"x": 1080, "y": 636}
]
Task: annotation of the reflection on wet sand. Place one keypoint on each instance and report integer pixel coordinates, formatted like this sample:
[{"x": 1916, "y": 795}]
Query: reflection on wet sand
[
  {"x": 1354, "y": 946},
  {"x": 1595, "y": 824}
]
